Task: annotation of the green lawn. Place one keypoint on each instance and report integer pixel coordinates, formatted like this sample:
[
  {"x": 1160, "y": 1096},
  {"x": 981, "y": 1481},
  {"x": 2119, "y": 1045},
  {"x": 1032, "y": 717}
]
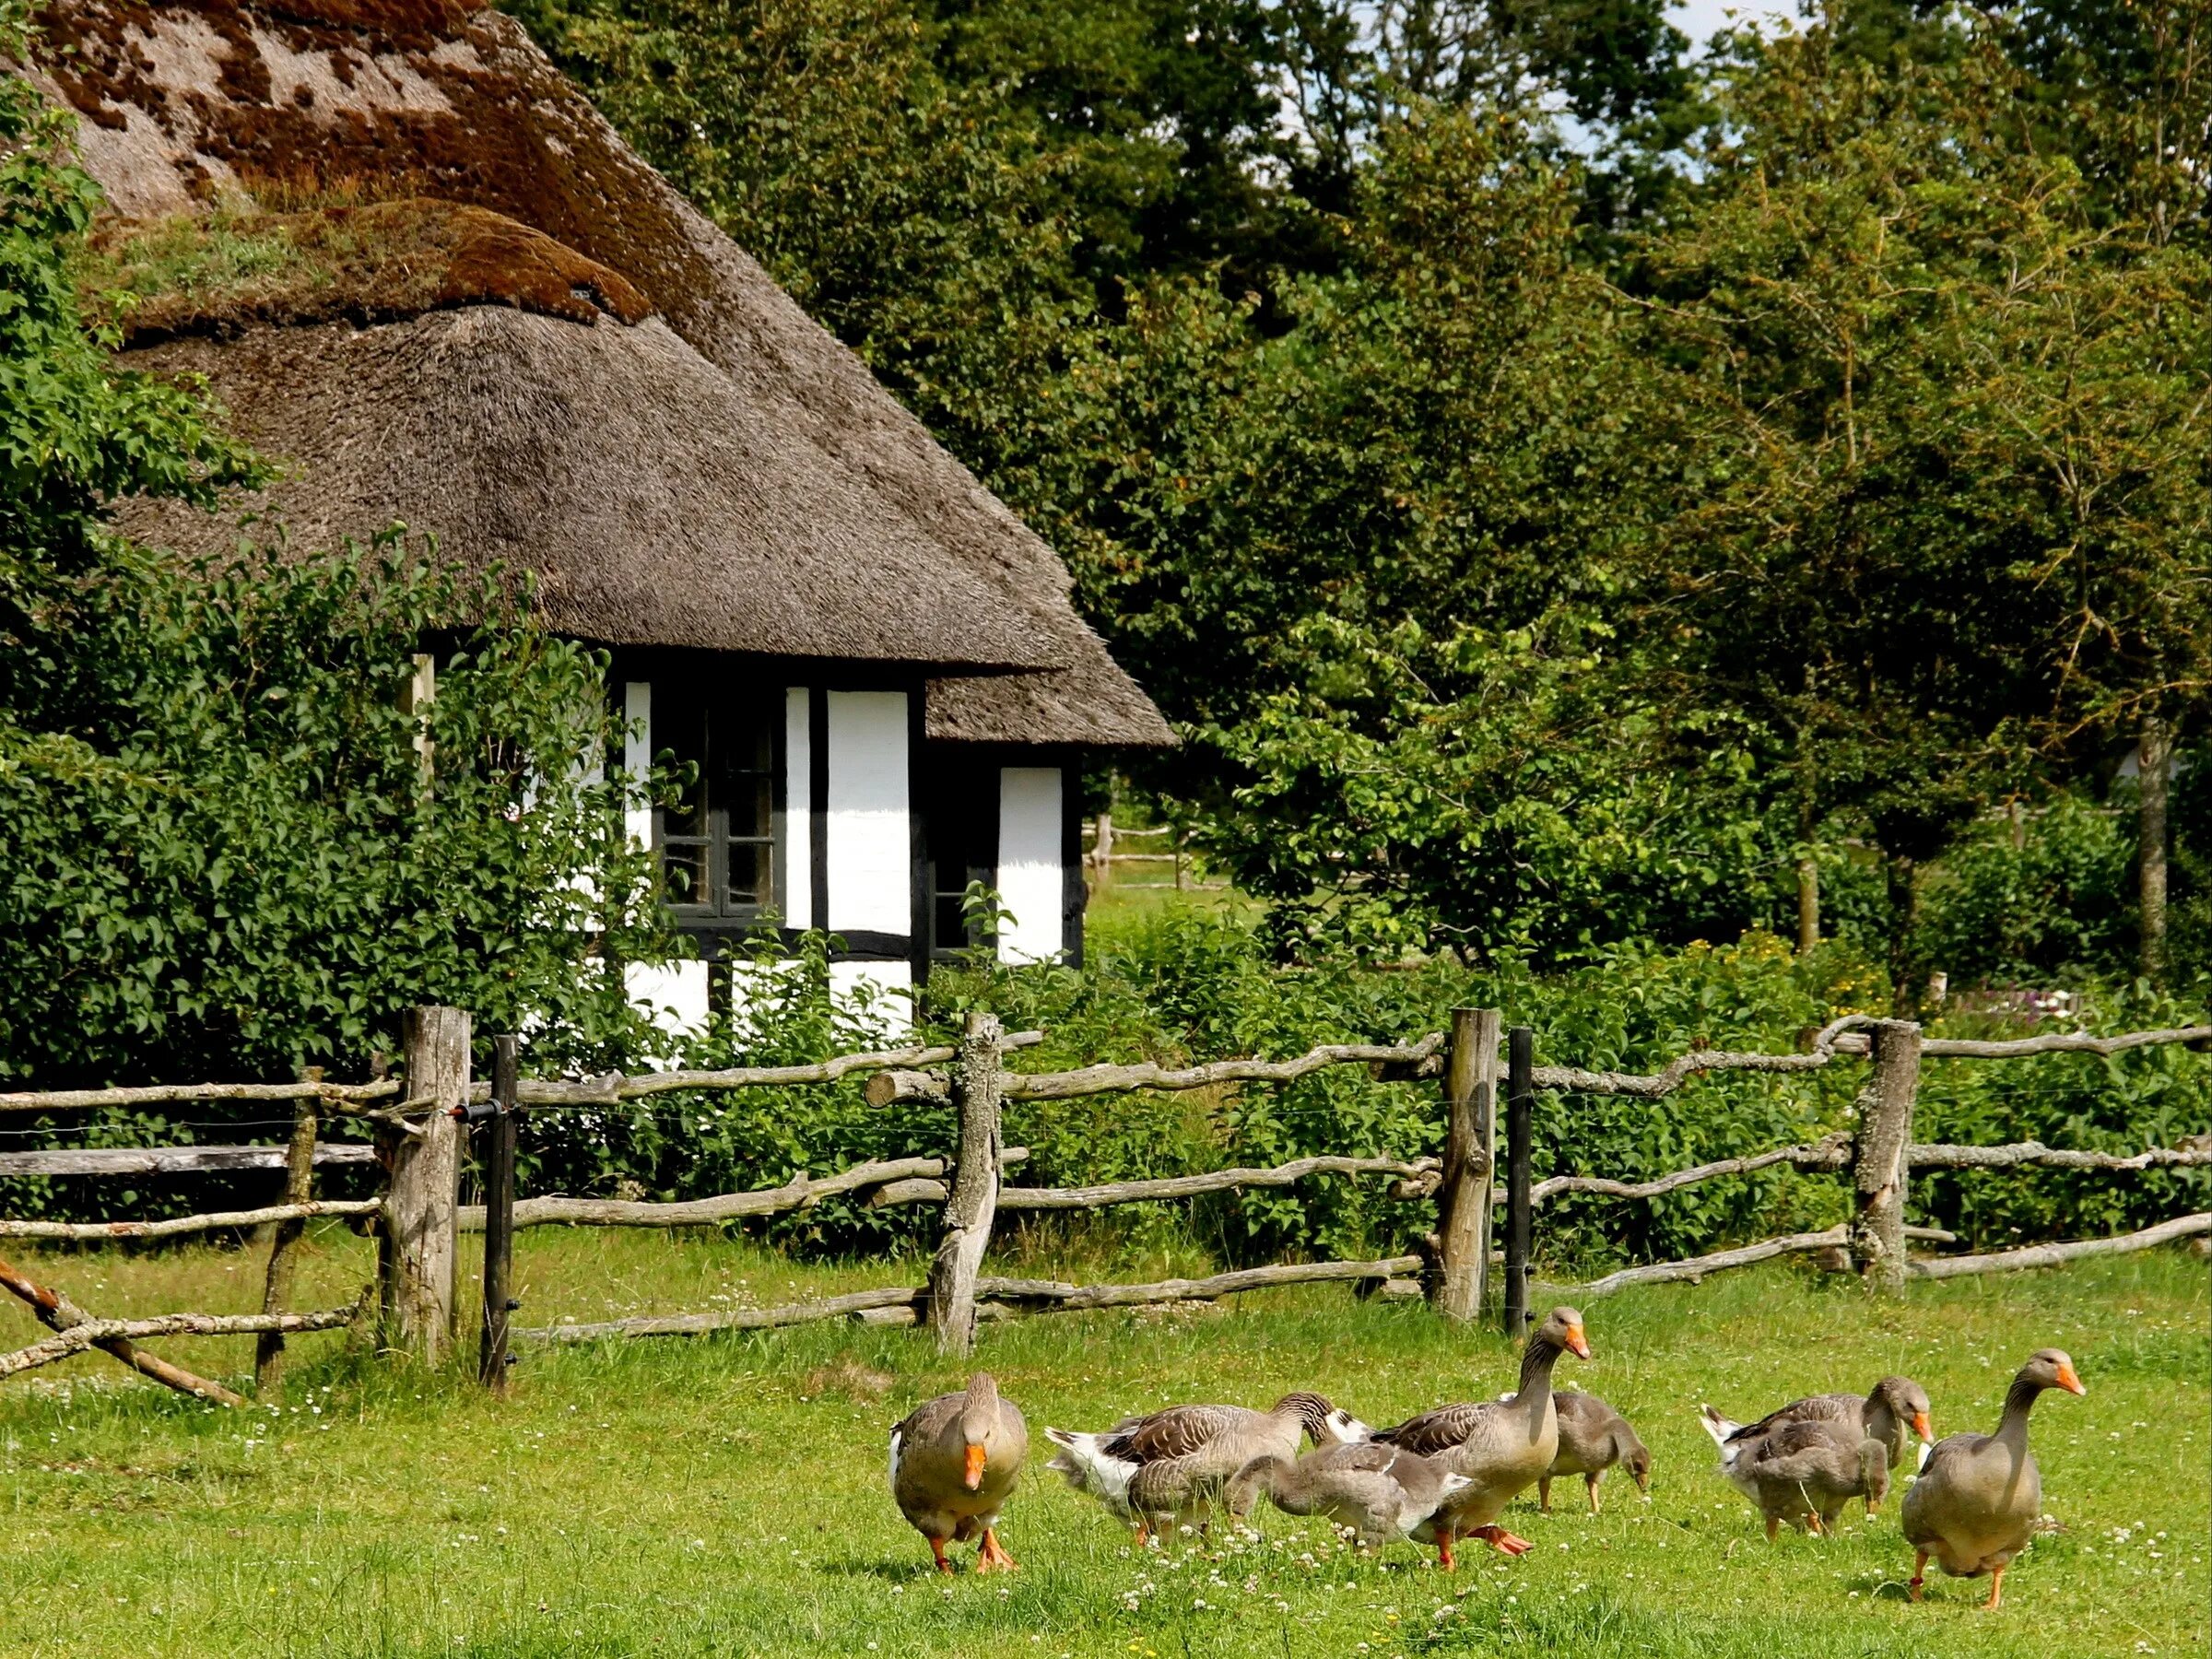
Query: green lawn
[{"x": 727, "y": 1497}]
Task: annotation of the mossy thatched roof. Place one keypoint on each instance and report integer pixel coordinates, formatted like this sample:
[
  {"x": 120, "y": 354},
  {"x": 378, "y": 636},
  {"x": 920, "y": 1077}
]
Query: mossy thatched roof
[
  {"x": 188, "y": 103},
  {"x": 219, "y": 272}
]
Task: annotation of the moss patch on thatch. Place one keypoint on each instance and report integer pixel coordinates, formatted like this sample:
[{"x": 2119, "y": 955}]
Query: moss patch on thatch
[{"x": 219, "y": 272}]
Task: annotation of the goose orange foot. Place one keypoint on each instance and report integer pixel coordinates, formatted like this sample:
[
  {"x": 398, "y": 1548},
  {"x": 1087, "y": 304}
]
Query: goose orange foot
[
  {"x": 992, "y": 1556},
  {"x": 1501, "y": 1540},
  {"x": 937, "y": 1548}
]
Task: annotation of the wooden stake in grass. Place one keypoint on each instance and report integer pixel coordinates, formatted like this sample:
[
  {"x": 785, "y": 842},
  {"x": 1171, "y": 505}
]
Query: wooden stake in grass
[
  {"x": 1463, "y": 1224},
  {"x": 284, "y": 1240},
  {"x": 974, "y": 1202},
  {"x": 1879, "y": 1154},
  {"x": 417, "y": 1261},
  {"x": 498, "y": 1215}
]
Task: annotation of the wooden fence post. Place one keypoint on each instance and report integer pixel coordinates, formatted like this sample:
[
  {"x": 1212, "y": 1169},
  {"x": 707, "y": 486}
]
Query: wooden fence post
[
  {"x": 1520, "y": 1118},
  {"x": 418, "y": 1261},
  {"x": 1878, "y": 1155},
  {"x": 1463, "y": 1223},
  {"x": 498, "y": 1215},
  {"x": 284, "y": 1240},
  {"x": 975, "y": 1200}
]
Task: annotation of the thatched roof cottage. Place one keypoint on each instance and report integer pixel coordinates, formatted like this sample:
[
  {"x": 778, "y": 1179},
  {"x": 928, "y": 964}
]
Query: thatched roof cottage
[{"x": 512, "y": 333}]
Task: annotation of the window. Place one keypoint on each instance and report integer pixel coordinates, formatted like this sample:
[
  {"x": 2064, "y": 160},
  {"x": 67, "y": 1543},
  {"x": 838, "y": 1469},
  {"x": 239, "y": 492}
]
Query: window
[
  {"x": 961, "y": 828},
  {"x": 718, "y": 844}
]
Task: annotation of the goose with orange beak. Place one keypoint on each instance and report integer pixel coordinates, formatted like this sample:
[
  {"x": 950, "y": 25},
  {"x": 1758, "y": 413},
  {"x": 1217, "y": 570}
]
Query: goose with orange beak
[
  {"x": 1978, "y": 1495},
  {"x": 1894, "y": 1410},
  {"x": 1500, "y": 1446},
  {"x": 955, "y": 1461}
]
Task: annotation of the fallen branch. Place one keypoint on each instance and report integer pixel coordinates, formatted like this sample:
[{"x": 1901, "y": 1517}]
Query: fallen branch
[
  {"x": 801, "y": 1192},
  {"x": 1049, "y": 1297},
  {"x": 172, "y": 1160},
  {"x": 1190, "y": 1186},
  {"x": 2055, "y": 1255},
  {"x": 113, "y": 1334},
  {"x": 1696, "y": 1268},
  {"x": 1942, "y": 1157},
  {"x": 1111, "y": 1079},
  {"x": 743, "y": 1319},
  {"x": 89, "y": 1232},
  {"x": 1832, "y": 1153}
]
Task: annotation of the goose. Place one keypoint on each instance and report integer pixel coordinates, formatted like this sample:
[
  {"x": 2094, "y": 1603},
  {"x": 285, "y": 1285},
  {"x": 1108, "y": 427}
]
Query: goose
[
  {"x": 1978, "y": 1495},
  {"x": 1593, "y": 1437},
  {"x": 1380, "y": 1493},
  {"x": 1803, "y": 1471},
  {"x": 1211, "y": 1442},
  {"x": 955, "y": 1461},
  {"x": 1893, "y": 1410},
  {"x": 1500, "y": 1446}
]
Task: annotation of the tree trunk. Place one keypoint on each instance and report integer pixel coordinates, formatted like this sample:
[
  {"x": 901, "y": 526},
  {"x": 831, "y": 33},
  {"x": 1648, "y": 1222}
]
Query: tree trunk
[
  {"x": 2154, "y": 752},
  {"x": 1903, "y": 876},
  {"x": 1809, "y": 901}
]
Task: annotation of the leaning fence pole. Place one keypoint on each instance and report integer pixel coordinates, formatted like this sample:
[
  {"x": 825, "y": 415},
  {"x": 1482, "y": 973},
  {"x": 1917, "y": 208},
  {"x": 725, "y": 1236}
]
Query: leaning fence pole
[
  {"x": 972, "y": 1207},
  {"x": 284, "y": 1238},
  {"x": 498, "y": 1215},
  {"x": 1879, "y": 1154},
  {"x": 1463, "y": 1223},
  {"x": 1519, "y": 1118},
  {"x": 424, "y": 1150}
]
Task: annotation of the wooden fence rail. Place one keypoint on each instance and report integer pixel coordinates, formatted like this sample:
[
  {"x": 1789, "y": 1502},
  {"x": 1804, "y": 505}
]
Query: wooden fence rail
[
  {"x": 802, "y": 1191},
  {"x": 87, "y": 1232},
  {"x": 106, "y": 1333},
  {"x": 174, "y": 1160},
  {"x": 995, "y": 1297}
]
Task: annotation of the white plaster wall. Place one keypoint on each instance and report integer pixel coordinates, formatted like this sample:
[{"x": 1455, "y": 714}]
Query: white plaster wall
[
  {"x": 799, "y": 810},
  {"x": 1030, "y": 882},
  {"x": 637, "y": 754},
  {"x": 887, "y": 985},
  {"x": 871, "y": 845},
  {"x": 673, "y": 994},
  {"x": 892, "y": 983}
]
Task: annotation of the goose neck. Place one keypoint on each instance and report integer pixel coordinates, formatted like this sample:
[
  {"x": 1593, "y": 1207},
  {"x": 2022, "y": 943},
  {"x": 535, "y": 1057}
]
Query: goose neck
[
  {"x": 1537, "y": 1361},
  {"x": 2020, "y": 1399}
]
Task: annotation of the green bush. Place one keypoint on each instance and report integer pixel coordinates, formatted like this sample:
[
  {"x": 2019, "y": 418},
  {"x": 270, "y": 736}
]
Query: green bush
[
  {"x": 1178, "y": 987},
  {"x": 2053, "y": 907}
]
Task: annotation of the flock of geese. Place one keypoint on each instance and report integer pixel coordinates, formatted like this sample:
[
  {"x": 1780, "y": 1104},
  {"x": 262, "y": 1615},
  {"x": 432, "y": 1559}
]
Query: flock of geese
[{"x": 1447, "y": 1474}]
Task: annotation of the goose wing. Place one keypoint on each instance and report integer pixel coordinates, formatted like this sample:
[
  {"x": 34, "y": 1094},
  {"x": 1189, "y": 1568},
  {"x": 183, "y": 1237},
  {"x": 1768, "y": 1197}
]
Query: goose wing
[
  {"x": 1438, "y": 1430},
  {"x": 1173, "y": 1431},
  {"x": 1813, "y": 1408}
]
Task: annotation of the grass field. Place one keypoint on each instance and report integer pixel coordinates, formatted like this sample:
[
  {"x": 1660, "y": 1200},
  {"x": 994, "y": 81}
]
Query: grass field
[{"x": 727, "y": 1496}]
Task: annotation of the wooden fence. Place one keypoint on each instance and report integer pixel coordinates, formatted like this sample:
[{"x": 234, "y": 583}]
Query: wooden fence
[{"x": 422, "y": 1133}]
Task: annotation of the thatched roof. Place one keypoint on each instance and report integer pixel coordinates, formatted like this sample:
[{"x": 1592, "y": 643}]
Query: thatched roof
[
  {"x": 539, "y": 443},
  {"x": 181, "y": 99}
]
